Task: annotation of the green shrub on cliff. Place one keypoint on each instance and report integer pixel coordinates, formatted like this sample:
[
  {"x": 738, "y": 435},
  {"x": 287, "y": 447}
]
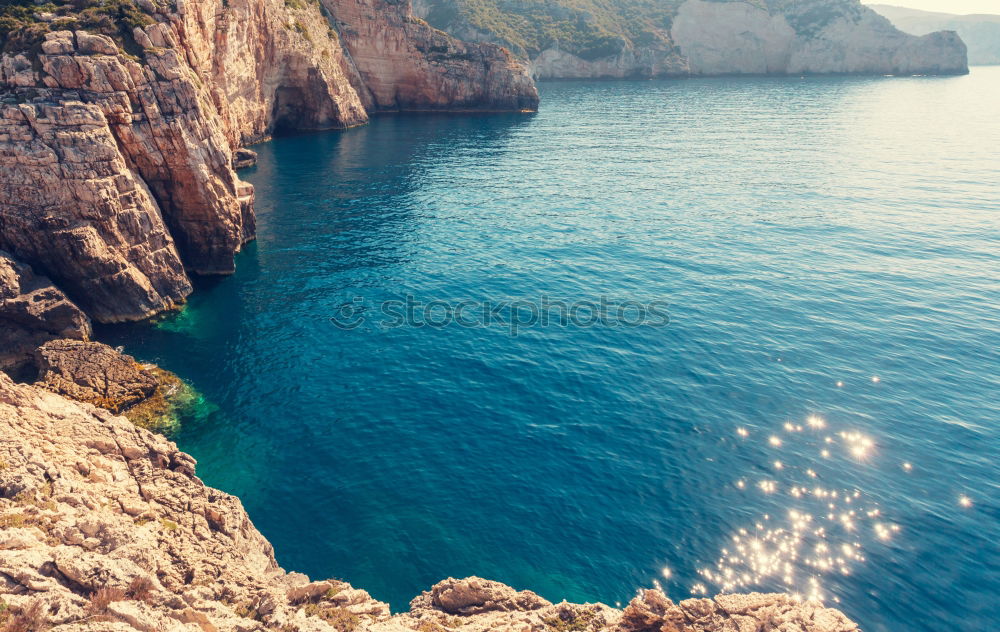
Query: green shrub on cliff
[
  {"x": 588, "y": 28},
  {"x": 599, "y": 28},
  {"x": 340, "y": 619},
  {"x": 23, "y": 23}
]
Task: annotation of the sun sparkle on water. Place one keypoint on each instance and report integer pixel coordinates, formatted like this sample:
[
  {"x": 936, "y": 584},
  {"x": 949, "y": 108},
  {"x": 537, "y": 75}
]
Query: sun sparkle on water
[{"x": 822, "y": 533}]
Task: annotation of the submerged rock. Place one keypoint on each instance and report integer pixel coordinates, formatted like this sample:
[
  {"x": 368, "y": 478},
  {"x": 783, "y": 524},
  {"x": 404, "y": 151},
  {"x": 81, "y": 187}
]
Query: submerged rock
[{"x": 162, "y": 411}]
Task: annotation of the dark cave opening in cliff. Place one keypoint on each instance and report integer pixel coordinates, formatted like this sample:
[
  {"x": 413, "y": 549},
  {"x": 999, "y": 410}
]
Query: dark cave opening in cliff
[{"x": 289, "y": 113}]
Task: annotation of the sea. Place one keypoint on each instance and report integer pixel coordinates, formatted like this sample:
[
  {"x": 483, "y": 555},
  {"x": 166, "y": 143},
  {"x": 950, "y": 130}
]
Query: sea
[{"x": 707, "y": 335}]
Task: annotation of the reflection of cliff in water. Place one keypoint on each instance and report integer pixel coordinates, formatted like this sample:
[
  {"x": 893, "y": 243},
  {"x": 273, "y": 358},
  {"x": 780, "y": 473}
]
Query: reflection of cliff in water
[{"x": 380, "y": 167}]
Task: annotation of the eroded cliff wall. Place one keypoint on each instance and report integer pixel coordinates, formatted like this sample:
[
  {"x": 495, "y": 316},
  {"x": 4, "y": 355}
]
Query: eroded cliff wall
[
  {"x": 116, "y": 153},
  {"x": 677, "y": 38},
  {"x": 404, "y": 64},
  {"x": 105, "y": 527},
  {"x": 810, "y": 37},
  {"x": 630, "y": 63}
]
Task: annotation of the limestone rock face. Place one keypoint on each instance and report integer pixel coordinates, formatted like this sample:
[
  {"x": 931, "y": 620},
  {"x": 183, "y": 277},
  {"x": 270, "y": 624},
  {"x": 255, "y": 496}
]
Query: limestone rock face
[
  {"x": 104, "y": 526},
  {"x": 630, "y": 63},
  {"x": 92, "y": 372},
  {"x": 118, "y": 168},
  {"x": 90, "y": 502},
  {"x": 980, "y": 32},
  {"x": 266, "y": 64},
  {"x": 807, "y": 37},
  {"x": 653, "y": 611},
  {"x": 73, "y": 208},
  {"x": 404, "y": 64},
  {"x": 677, "y": 38},
  {"x": 32, "y": 311}
]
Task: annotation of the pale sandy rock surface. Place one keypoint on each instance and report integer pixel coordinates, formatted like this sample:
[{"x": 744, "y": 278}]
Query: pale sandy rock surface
[
  {"x": 980, "y": 32},
  {"x": 106, "y": 527}
]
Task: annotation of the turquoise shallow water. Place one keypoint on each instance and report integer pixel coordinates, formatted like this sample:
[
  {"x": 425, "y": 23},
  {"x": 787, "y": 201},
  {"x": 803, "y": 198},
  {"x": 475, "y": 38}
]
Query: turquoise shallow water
[{"x": 808, "y": 235}]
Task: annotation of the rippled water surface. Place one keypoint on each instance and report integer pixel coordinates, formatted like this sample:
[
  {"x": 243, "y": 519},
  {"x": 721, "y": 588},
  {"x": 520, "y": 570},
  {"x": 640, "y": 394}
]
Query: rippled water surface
[{"x": 820, "y": 415}]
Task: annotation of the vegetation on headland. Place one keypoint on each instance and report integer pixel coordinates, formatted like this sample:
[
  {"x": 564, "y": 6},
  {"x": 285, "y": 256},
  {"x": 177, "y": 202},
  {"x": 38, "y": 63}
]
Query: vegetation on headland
[
  {"x": 23, "y": 23},
  {"x": 592, "y": 29},
  {"x": 588, "y": 28}
]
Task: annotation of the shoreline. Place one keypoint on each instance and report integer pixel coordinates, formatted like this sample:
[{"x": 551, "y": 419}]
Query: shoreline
[{"x": 132, "y": 539}]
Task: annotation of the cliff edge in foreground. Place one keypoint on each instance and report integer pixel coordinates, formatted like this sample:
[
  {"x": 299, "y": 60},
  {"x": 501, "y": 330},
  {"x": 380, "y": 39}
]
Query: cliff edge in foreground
[
  {"x": 105, "y": 527},
  {"x": 119, "y": 121}
]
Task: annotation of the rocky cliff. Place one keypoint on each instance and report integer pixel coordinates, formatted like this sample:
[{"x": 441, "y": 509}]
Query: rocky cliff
[
  {"x": 566, "y": 39},
  {"x": 980, "y": 32},
  {"x": 116, "y": 148},
  {"x": 404, "y": 64},
  {"x": 808, "y": 37},
  {"x": 105, "y": 527}
]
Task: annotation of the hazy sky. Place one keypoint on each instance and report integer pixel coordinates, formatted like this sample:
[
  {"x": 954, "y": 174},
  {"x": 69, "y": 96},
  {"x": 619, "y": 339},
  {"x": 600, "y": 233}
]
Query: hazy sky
[{"x": 946, "y": 6}]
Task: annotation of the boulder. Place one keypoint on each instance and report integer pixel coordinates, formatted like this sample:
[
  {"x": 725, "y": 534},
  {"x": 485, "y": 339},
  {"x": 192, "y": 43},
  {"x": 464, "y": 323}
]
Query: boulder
[
  {"x": 32, "y": 312},
  {"x": 475, "y": 595},
  {"x": 651, "y": 611},
  {"x": 243, "y": 158},
  {"x": 94, "y": 373}
]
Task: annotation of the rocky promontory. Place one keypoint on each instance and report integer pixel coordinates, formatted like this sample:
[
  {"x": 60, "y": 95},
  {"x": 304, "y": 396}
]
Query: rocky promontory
[
  {"x": 120, "y": 124},
  {"x": 807, "y": 37},
  {"x": 105, "y": 527},
  {"x": 586, "y": 39}
]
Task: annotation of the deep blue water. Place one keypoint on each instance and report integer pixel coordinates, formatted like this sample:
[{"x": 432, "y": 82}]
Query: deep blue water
[{"x": 809, "y": 236}]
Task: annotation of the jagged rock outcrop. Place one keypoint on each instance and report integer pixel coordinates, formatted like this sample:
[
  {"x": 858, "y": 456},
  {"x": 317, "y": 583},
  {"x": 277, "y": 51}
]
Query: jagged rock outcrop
[
  {"x": 94, "y": 373},
  {"x": 117, "y": 155},
  {"x": 84, "y": 155},
  {"x": 90, "y": 503},
  {"x": 32, "y": 312},
  {"x": 630, "y": 39},
  {"x": 476, "y": 596},
  {"x": 104, "y": 526},
  {"x": 244, "y": 158}
]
